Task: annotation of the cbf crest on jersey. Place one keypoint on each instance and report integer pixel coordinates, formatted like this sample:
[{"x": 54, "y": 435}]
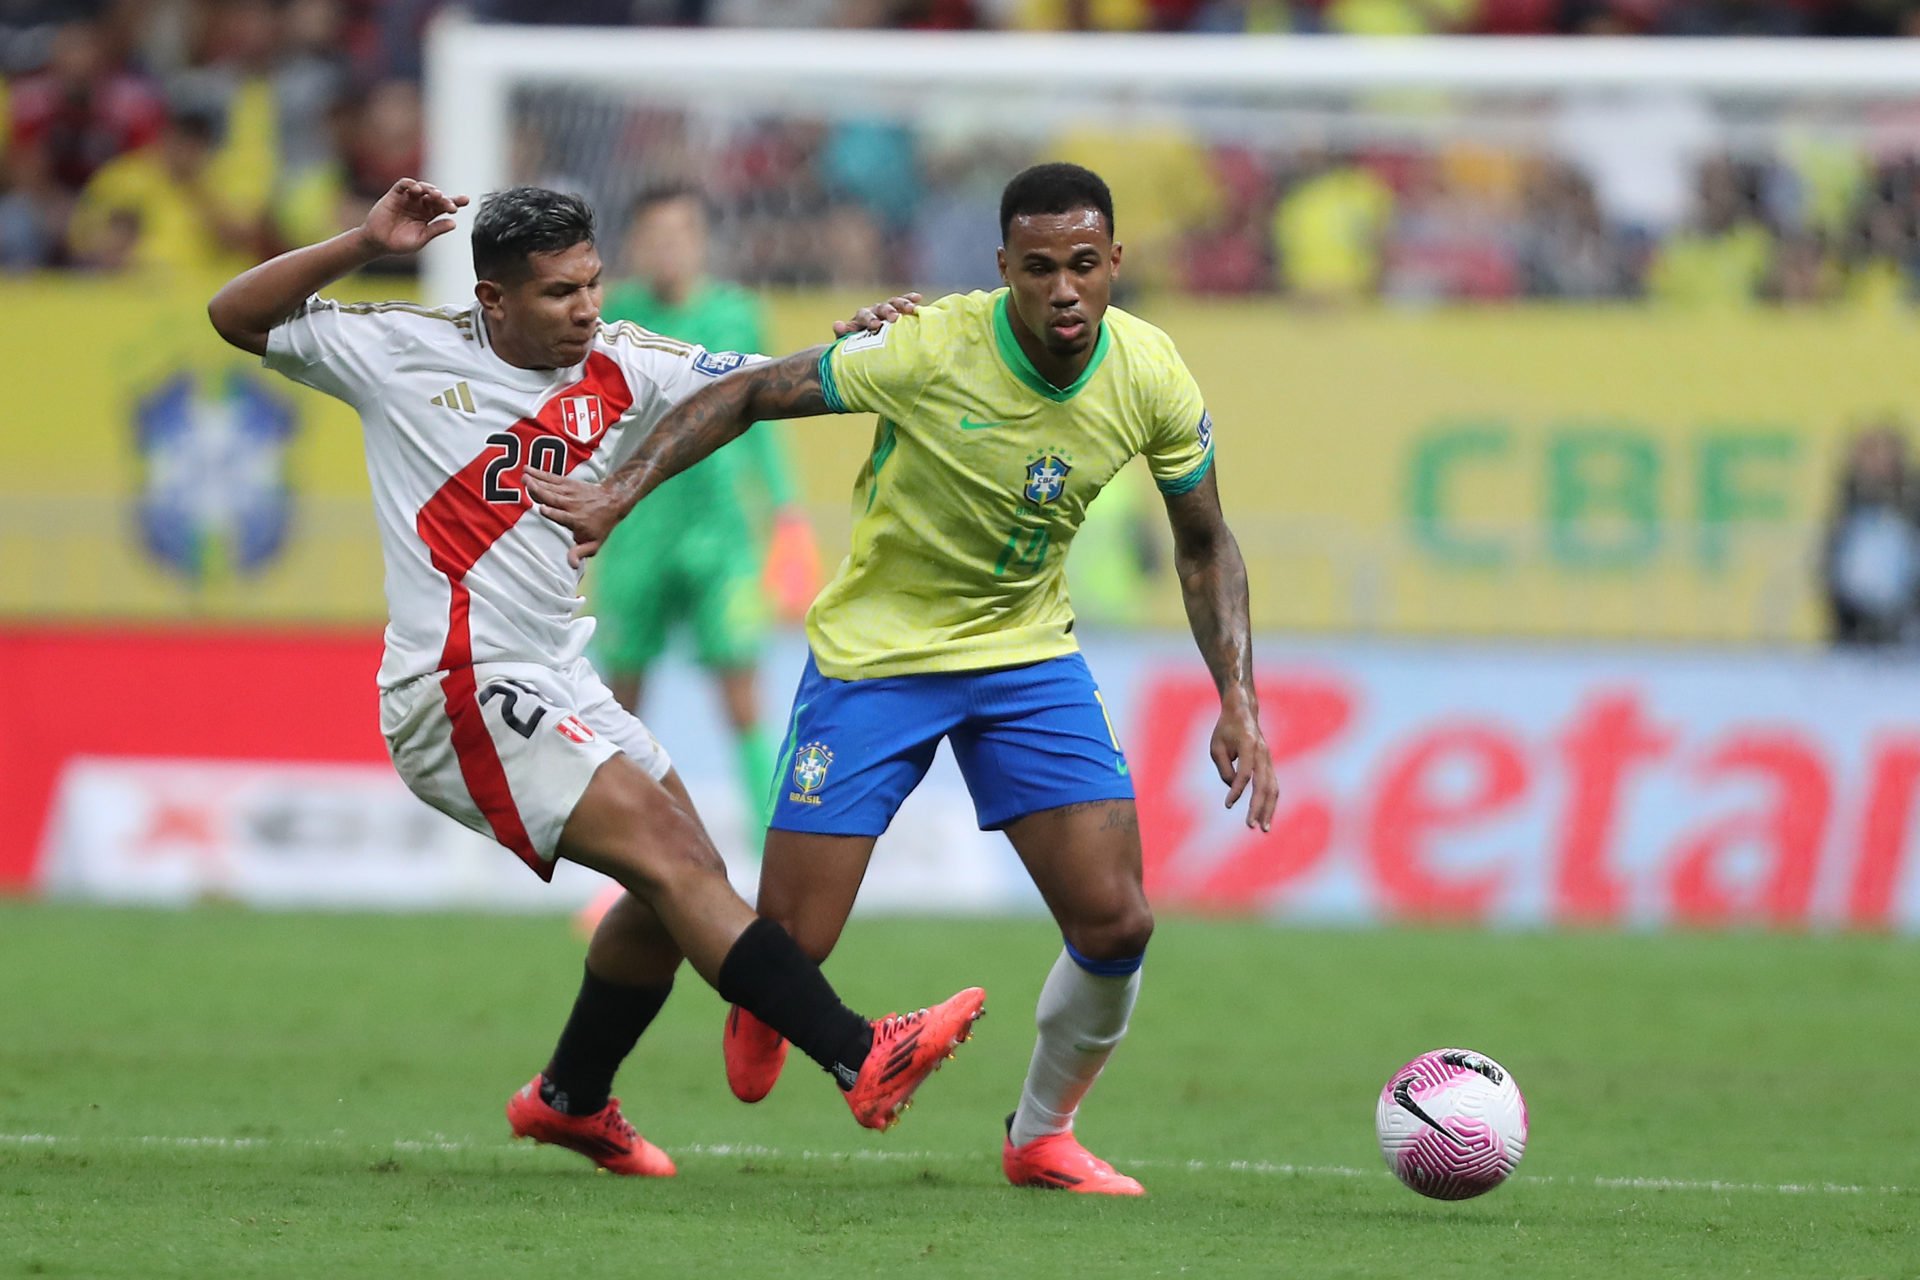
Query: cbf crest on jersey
[
  {"x": 581, "y": 418},
  {"x": 810, "y": 766},
  {"x": 1046, "y": 478}
]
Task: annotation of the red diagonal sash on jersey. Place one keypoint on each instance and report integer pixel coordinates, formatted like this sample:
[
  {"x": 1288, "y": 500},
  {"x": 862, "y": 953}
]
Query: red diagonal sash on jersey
[{"x": 458, "y": 525}]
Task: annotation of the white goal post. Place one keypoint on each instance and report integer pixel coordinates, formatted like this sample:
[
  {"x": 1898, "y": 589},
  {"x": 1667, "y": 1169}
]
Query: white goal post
[{"x": 473, "y": 71}]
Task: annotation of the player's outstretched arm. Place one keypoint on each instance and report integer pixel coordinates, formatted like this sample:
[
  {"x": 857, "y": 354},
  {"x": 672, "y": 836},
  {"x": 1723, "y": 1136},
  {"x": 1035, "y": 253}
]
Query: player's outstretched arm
[
  {"x": 788, "y": 387},
  {"x": 248, "y": 306},
  {"x": 1213, "y": 580}
]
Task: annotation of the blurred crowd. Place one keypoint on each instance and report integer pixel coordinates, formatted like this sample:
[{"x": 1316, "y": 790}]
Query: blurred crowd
[
  {"x": 198, "y": 134},
  {"x": 203, "y": 134},
  {"x": 1614, "y": 196}
]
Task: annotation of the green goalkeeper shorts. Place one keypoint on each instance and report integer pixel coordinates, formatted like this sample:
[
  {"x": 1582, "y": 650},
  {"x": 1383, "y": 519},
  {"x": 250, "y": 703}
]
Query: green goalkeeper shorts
[{"x": 643, "y": 593}]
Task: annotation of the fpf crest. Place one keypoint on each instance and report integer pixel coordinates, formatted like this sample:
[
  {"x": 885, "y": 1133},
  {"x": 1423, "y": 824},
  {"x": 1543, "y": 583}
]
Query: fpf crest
[{"x": 581, "y": 418}]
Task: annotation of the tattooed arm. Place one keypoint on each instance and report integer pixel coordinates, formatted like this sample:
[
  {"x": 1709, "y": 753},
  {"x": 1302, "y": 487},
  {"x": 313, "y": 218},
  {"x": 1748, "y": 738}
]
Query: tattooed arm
[
  {"x": 788, "y": 387},
  {"x": 1213, "y": 580}
]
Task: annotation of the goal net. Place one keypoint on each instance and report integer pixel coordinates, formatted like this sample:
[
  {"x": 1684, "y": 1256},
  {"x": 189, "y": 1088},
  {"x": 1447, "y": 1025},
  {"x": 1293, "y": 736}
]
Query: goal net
[{"x": 1487, "y": 168}]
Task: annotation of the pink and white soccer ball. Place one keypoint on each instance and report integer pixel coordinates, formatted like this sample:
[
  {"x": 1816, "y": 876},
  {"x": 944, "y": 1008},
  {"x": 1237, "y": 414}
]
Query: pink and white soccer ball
[{"x": 1452, "y": 1124}]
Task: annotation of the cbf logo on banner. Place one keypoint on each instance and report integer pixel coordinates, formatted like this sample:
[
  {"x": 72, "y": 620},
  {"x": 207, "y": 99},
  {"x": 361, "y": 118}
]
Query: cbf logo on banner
[{"x": 214, "y": 498}]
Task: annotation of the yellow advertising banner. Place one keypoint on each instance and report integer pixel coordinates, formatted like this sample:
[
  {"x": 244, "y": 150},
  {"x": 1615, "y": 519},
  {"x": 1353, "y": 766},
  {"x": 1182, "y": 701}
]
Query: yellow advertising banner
[
  {"x": 160, "y": 474},
  {"x": 1567, "y": 472},
  {"x": 1554, "y": 472}
]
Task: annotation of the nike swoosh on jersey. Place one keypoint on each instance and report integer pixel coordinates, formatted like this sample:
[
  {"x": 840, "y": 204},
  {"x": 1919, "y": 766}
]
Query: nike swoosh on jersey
[{"x": 968, "y": 424}]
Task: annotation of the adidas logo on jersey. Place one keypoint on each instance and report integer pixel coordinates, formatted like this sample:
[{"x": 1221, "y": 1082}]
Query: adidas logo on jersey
[{"x": 455, "y": 397}]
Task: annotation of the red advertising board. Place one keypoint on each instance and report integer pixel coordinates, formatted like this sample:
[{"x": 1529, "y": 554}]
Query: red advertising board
[
  {"x": 1520, "y": 786},
  {"x": 1779, "y": 824},
  {"x": 213, "y": 694}
]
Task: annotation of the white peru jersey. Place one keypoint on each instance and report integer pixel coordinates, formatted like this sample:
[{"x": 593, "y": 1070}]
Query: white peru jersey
[{"x": 473, "y": 573}]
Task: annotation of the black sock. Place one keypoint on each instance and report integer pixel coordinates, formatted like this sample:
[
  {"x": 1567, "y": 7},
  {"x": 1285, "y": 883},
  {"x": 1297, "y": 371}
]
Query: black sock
[
  {"x": 768, "y": 975},
  {"x": 606, "y": 1022}
]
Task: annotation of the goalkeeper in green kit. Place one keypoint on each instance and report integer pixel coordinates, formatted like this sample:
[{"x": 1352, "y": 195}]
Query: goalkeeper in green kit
[{"x": 712, "y": 545}]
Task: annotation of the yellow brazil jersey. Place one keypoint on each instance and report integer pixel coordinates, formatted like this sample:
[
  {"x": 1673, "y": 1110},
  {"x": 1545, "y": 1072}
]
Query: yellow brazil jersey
[{"x": 980, "y": 474}]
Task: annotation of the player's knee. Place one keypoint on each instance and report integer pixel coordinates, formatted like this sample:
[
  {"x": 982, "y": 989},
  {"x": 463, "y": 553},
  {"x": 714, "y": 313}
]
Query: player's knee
[
  {"x": 644, "y": 837},
  {"x": 1120, "y": 934},
  {"x": 812, "y": 928},
  {"x": 810, "y": 919},
  {"x": 664, "y": 864},
  {"x": 780, "y": 903},
  {"x": 658, "y": 849}
]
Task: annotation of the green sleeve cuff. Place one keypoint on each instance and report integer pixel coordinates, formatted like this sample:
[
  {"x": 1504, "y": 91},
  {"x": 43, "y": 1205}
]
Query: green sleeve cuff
[
  {"x": 829, "y": 390},
  {"x": 1187, "y": 482}
]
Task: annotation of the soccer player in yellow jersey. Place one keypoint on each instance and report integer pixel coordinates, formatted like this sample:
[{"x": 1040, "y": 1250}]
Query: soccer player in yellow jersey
[{"x": 1000, "y": 417}]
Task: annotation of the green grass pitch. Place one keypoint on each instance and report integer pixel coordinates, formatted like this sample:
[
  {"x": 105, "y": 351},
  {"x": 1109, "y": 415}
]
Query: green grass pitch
[{"x": 215, "y": 1093}]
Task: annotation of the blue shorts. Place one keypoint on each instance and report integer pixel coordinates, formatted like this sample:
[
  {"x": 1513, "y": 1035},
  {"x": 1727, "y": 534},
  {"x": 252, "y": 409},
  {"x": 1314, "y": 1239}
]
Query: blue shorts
[{"x": 1026, "y": 739}]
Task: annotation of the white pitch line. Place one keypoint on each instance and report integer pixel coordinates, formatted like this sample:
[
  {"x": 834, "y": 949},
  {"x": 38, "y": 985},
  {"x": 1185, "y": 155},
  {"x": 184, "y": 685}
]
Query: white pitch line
[{"x": 745, "y": 1150}]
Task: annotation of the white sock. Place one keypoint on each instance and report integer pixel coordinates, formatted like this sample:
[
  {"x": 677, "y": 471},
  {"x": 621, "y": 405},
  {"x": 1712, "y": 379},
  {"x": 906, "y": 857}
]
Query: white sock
[{"x": 1082, "y": 1017}]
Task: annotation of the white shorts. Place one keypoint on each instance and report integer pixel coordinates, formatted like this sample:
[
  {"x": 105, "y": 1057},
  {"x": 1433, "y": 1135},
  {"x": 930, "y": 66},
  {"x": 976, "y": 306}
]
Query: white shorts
[{"x": 508, "y": 748}]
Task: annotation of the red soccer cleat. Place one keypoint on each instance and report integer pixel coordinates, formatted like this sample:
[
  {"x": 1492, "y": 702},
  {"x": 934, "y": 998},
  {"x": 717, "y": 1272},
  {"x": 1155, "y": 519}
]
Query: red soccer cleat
[
  {"x": 604, "y": 1137},
  {"x": 1058, "y": 1161},
  {"x": 907, "y": 1048},
  {"x": 755, "y": 1052}
]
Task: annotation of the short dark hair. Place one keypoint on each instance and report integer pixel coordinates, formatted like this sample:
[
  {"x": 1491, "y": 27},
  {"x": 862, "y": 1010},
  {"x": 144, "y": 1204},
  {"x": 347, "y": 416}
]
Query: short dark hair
[
  {"x": 521, "y": 221},
  {"x": 1054, "y": 188},
  {"x": 665, "y": 193}
]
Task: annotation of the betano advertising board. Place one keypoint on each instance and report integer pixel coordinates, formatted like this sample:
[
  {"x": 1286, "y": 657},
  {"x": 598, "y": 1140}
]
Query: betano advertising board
[{"x": 1501, "y": 786}]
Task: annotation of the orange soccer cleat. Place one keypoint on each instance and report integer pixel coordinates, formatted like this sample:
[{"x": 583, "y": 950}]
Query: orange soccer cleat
[
  {"x": 604, "y": 1137},
  {"x": 1059, "y": 1162},
  {"x": 755, "y": 1052},
  {"x": 588, "y": 918},
  {"x": 907, "y": 1048}
]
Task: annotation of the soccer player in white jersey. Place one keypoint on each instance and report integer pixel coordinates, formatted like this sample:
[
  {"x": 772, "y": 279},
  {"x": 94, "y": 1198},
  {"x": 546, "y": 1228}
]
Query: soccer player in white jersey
[{"x": 490, "y": 710}]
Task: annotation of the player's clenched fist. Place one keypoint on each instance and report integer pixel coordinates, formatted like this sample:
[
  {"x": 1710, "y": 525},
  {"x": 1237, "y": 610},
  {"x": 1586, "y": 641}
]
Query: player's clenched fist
[{"x": 410, "y": 214}]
